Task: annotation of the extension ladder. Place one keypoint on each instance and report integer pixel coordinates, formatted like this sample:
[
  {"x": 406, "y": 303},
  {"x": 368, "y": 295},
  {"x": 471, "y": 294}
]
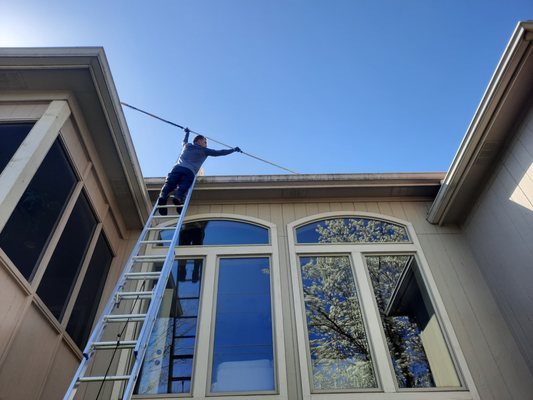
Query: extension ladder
[{"x": 133, "y": 305}]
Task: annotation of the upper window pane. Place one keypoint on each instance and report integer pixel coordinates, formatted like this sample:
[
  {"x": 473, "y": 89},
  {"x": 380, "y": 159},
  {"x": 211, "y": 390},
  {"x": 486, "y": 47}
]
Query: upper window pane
[
  {"x": 219, "y": 232},
  {"x": 65, "y": 264},
  {"x": 84, "y": 311},
  {"x": 351, "y": 230},
  {"x": 33, "y": 221},
  {"x": 417, "y": 346},
  {"x": 11, "y": 136}
]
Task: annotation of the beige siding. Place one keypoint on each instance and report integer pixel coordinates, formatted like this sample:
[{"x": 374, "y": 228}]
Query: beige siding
[
  {"x": 493, "y": 357},
  {"x": 500, "y": 233}
]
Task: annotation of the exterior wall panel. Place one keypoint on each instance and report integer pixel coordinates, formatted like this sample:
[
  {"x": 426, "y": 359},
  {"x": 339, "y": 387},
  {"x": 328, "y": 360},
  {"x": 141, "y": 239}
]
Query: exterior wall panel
[
  {"x": 500, "y": 232},
  {"x": 493, "y": 357}
]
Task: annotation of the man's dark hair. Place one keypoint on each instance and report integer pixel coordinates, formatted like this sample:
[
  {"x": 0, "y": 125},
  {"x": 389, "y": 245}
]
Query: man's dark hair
[{"x": 197, "y": 138}]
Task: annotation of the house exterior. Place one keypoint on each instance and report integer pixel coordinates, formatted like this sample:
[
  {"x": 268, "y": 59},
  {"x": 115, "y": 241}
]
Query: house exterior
[{"x": 340, "y": 286}]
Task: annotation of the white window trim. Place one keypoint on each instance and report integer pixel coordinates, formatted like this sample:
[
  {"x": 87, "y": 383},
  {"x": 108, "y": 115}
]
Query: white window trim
[
  {"x": 206, "y": 315},
  {"x": 386, "y": 379}
]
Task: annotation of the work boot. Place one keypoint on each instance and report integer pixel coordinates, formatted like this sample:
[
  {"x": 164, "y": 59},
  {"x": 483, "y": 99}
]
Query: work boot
[
  {"x": 179, "y": 203},
  {"x": 162, "y": 202}
]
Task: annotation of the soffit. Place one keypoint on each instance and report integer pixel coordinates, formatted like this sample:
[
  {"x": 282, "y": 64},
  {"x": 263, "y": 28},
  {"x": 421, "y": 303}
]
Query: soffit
[{"x": 315, "y": 187}]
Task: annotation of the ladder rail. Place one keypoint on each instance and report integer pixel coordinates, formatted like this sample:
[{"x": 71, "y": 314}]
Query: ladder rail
[
  {"x": 140, "y": 349},
  {"x": 153, "y": 309}
]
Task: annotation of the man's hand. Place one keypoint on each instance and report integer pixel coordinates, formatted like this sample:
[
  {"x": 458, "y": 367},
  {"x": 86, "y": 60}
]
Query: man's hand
[
  {"x": 187, "y": 130},
  {"x": 237, "y": 149}
]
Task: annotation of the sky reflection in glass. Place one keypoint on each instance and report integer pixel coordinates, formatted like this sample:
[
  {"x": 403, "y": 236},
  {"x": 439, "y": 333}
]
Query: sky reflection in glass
[{"x": 243, "y": 359}]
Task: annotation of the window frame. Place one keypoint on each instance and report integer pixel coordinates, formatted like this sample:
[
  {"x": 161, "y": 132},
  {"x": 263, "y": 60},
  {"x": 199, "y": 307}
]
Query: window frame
[
  {"x": 201, "y": 375},
  {"x": 376, "y": 335}
]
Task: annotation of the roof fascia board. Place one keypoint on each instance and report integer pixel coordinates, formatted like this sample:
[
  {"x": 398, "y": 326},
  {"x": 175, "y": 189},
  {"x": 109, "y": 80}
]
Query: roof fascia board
[
  {"x": 118, "y": 126},
  {"x": 476, "y": 133}
]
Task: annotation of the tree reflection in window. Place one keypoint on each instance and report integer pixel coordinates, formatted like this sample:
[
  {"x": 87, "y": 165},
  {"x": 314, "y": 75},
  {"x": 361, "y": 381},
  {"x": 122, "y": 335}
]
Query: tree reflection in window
[
  {"x": 219, "y": 232},
  {"x": 416, "y": 344},
  {"x": 338, "y": 343},
  {"x": 351, "y": 230}
]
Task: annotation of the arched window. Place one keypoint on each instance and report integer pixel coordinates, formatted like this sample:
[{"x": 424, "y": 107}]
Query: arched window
[
  {"x": 215, "y": 334},
  {"x": 368, "y": 319},
  {"x": 351, "y": 230}
]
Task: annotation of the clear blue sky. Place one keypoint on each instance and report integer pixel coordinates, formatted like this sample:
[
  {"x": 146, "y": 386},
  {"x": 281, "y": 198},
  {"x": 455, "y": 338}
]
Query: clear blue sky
[{"x": 318, "y": 86}]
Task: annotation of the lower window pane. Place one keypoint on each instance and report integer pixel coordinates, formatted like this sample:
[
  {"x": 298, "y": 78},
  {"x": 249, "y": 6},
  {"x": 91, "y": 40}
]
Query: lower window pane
[
  {"x": 64, "y": 266},
  {"x": 338, "y": 343},
  {"x": 167, "y": 366},
  {"x": 243, "y": 357},
  {"x": 85, "y": 308},
  {"x": 416, "y": 344}
]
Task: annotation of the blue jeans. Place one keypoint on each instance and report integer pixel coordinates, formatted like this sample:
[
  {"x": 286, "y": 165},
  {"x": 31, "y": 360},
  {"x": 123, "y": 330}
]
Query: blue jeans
[{"x": 179, "y": 177}]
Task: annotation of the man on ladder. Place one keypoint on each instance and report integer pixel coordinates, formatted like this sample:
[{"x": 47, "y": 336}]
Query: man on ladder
[{"x": 182, "y": 175}]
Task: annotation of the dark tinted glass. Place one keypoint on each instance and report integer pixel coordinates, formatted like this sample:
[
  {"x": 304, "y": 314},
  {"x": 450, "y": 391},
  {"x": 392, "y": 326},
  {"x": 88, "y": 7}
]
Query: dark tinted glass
[
  {"x": 68, "y": 256},
  {"x": 351, "y": 230},
  {"x": 243, "y": 357},
  {"x": 11, "y": 136},
  {"x": 219, "y": 232},
  {"x": 86, "y": 305},
  {"x": 33, "y": 221}
]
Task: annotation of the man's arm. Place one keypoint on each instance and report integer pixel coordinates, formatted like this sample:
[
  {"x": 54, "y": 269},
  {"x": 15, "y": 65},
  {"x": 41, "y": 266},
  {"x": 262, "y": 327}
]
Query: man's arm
[
  {"x": 216, "y": 153},
  {"x": 186, "y": 137}
]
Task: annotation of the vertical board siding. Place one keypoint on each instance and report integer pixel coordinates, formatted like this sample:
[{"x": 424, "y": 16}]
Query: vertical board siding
[
  {"x": 494, "y": 359},
  {"x": 500, "y": 232}
]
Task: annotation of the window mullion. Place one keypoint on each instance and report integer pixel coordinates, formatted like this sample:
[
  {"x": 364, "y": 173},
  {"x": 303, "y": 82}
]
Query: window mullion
[
  {"x": 205, "y": 318},
  {"x": 375, "y": 333}
]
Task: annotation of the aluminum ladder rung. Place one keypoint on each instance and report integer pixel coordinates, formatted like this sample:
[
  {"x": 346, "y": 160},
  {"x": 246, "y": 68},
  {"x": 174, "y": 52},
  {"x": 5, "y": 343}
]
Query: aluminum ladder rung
[
  {"x": 104, "y": 378},
  {"x": 161, "y": 228},
  {"x": 153, "y": 257},
  {"x": 125, "y": 344},
  {"x": 174, "y": 216},
  {"x": 171, "y": 206},
  {"x": 155, "y": 241},
  {"x": 125, "y": 317},
  {"x": 134, "y": 295},
  {"x": 143, "y": 275}
]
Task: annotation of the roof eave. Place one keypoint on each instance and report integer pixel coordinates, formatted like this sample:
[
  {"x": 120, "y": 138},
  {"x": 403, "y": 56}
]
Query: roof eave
[{"x": 480, "y": 132}]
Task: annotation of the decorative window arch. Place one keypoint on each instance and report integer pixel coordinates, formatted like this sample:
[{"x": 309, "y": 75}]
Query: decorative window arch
[
  {"x": 355, "y": 229},
  {"x": 368, "y": 314}
]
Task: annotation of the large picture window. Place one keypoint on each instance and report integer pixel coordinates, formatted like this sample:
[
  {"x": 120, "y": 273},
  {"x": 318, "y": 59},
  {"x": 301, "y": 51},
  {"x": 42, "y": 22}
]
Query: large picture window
[
  {"x": 368, "y": 321},
  {"x": 216, "y": 334}
]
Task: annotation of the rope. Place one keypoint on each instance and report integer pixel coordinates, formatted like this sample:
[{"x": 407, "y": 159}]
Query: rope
[{"x": 211, "y": 139}]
